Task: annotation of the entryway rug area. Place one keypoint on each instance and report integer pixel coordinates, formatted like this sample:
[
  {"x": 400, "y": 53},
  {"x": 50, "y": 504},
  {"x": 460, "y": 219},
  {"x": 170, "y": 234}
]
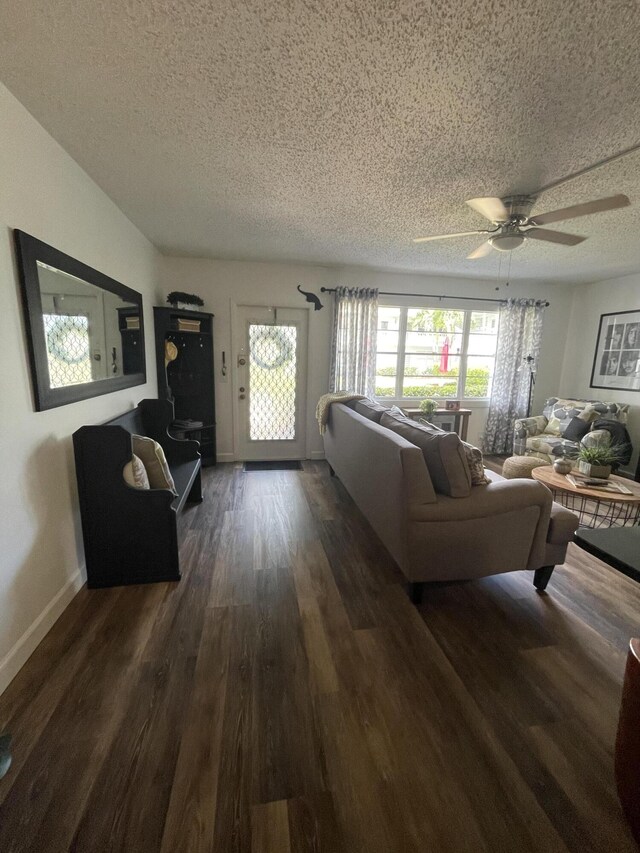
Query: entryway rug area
[{"x": 287, "y": 465}]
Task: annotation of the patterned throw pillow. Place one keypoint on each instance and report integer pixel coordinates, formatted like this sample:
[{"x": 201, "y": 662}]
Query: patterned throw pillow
[
  {"x": 135, "y": 474},
  {"x": 154, "y": 461},
  {"x": 476, "y": 464}
]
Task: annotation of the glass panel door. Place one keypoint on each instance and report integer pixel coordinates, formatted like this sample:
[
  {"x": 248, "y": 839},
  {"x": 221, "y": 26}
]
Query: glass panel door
[
  {"x": 270, "y": 379},
  {"x": 272, "y": 382}
]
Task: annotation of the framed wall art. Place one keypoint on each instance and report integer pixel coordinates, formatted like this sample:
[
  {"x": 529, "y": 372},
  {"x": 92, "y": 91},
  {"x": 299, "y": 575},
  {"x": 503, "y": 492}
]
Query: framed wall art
[{"x": 616, "y": 363}]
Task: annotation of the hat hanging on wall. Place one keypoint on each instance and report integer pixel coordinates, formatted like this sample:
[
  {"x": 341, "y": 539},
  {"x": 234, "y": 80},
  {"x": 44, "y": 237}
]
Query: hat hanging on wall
[{"x": 170, "y": 352}]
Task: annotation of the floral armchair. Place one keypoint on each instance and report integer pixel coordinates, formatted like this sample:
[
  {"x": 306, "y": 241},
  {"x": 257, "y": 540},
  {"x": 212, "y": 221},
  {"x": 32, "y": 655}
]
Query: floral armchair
[{"x": 543, "y": 436}]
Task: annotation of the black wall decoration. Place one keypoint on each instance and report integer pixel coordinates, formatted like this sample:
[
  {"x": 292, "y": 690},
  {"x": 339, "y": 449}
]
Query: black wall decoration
[{"x": 311, "y": 297}]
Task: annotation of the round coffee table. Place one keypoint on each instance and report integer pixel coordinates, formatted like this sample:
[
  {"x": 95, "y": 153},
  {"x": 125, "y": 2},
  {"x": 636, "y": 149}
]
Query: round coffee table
[{"x": 594, "y": 507}]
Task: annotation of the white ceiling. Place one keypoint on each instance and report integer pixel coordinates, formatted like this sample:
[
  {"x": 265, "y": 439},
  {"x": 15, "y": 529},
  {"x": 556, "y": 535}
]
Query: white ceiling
[{"x": 334, "y": 131}]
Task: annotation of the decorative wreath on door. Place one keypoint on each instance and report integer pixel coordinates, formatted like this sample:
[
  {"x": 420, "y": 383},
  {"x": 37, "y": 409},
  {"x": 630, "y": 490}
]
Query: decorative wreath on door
[
  {"x": 270, "y": 347},
  {"x": 68, "y": 337}
]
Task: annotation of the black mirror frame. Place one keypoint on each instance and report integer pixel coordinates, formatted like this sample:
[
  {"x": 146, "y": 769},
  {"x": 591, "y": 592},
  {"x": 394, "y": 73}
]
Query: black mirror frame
[{"x": 29, "y": 251}]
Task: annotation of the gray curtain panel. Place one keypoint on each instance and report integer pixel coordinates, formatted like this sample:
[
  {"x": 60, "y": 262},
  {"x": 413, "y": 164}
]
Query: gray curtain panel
[
  {"x": 353, "y": 346},
  {"x": 519, "y": 335}
]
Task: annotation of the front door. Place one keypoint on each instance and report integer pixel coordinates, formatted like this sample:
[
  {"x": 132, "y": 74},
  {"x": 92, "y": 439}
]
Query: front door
[{"x": 270, "y": 369}]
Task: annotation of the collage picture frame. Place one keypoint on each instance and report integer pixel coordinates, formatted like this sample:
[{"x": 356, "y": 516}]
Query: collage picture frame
[{"x": 616, "y": 361}]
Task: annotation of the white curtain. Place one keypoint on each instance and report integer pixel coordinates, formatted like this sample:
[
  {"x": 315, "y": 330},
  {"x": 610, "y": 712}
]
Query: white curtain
[
  {"x": 353, "y": 347},
  {"x": 519, "y": 336}
]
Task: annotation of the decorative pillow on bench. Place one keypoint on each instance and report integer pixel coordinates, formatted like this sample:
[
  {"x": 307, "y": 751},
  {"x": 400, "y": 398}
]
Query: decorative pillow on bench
[
  {"x": 443, "y": 452},
  {"x": 154, "y": 461},
  {"x": 135, "y": 474}
]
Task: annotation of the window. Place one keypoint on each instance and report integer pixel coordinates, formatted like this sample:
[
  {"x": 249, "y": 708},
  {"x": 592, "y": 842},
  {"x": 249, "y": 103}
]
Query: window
[{"x": 435, "y": 352}]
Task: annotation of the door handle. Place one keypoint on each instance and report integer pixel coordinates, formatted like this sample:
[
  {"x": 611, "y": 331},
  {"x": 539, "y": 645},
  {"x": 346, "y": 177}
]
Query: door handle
[{"x": 242, "y": 396}]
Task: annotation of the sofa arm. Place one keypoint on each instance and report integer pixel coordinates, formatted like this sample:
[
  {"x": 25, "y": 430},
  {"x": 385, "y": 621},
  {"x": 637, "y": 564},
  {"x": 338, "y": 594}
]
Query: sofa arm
[
  {"x": 523, "y": 429},
  {"x": 496, "y": 498},
  {"x": 526, "y": 427},
  {"x": 501, "y": 527}
]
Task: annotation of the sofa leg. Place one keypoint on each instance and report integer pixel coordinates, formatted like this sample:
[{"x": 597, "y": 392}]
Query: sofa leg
[
  {"x": 332, "y": 473},
  {"x": 415, "y": 590},
  {"x": 541, "y": 577}
]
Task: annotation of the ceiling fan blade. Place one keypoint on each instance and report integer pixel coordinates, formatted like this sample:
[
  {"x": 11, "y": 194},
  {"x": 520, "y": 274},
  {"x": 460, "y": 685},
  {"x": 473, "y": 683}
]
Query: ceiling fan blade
[
  {"x": 554, "y": 236},
  {"x": 492, "y": 209},
  {"x": 598, "y": 206},
  {"x": 482, "y": 250},
  {"x": 448, "y": 236}
]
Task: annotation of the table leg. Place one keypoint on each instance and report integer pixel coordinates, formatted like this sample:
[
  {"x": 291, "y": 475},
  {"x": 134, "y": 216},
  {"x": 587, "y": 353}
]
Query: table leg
[{"x": 627, "y": 757}]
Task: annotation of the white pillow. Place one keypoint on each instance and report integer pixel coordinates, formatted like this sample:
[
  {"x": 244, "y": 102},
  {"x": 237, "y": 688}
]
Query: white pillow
[
  {"x": 154, "y": 461},
  {"x": 135, "y": 474}
]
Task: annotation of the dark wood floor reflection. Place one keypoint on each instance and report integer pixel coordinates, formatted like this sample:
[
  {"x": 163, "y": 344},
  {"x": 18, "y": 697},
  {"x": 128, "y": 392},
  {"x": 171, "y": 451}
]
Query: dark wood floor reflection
[{"x": 286, "y": 696}]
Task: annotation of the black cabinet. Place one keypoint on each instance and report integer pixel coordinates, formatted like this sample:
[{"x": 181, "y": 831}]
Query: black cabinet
[
  {"x": 132, "y": 343},
  {"x": 184, "y": 361}
]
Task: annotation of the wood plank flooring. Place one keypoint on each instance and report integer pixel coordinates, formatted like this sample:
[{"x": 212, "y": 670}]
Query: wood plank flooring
[{"x": 285, "y": 696}]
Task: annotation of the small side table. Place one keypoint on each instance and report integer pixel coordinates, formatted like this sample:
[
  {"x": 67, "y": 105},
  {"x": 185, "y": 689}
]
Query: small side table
[{"x": 460, "y": 417}]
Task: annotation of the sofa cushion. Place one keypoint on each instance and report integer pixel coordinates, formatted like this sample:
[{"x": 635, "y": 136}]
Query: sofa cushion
[
  {"x": 443, "y": 452},
  {"x": 551, "y": 445},
  {"x": 369, "y": 409}
]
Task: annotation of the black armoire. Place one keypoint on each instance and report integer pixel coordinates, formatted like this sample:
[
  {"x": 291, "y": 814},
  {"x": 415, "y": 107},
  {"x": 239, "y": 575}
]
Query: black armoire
[{"x": 188, "y": 379}]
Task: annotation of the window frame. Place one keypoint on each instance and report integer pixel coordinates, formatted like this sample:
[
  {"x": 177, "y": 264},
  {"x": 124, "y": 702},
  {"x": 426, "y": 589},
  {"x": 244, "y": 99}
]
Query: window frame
[{"x": 404, "y": 306}]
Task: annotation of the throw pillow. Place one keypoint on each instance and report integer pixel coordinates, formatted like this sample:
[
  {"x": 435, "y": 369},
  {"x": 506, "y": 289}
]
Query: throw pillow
[
  {"x": 135, "y": 474},
  {"x": 576, "y": 429},
  {"x": 554, "y": 427},
  {"x": 442, "y": 451},
  {"x": 154, "y": 461},
  {"x": 369, "y": 409},
  {"x": 475, "y": 462}
]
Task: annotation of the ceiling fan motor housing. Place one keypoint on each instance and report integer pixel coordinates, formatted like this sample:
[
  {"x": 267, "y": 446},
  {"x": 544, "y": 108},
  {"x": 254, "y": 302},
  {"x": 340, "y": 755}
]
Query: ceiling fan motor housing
[{"x": 519, "y": 207}]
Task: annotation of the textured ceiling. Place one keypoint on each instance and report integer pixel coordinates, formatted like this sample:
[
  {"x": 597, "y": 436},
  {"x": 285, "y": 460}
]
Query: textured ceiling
[{"x": 335, "y": 131}]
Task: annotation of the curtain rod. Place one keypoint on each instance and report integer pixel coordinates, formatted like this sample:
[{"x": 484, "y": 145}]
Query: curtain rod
[{"x": 435, "y": 296}]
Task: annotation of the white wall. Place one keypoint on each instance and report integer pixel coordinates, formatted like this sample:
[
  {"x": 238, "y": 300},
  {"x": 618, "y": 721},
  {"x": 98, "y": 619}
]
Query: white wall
[
  {"x": 223, "y": 283},
  {"x": 592, "y": 300},
  {"x": 45, "y": 193}
]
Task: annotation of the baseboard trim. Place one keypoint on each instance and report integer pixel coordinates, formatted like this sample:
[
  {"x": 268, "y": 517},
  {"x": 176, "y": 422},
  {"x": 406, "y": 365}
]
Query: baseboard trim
[
  {"x": 17, "y": 656},
  {"x": 317, "y": 454}
]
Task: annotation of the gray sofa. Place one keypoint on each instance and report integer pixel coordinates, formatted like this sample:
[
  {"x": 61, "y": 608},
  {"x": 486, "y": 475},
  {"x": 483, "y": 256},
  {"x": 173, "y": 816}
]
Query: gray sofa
[{"x": 503, "y": 526}]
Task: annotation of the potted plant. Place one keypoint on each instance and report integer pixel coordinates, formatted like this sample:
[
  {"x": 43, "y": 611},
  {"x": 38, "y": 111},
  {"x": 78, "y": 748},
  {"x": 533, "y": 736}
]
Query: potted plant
[
  {"x": 428, "y": 407},
  {"x": 186, "y": 301},
  {"x": 597, "y": 461}
]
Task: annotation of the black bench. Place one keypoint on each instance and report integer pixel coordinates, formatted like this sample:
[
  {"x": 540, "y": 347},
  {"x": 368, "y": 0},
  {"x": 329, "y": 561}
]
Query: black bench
[{"x": 131, "y": 535}]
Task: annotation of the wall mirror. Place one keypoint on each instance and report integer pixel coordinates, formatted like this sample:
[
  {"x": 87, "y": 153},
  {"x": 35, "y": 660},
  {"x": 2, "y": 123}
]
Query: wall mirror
[{"x": 85, "y": 330}]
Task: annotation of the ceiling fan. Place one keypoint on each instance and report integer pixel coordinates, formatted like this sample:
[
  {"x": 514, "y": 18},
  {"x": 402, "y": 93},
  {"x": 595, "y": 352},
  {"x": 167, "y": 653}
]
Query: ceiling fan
[{"x": 514, "y": 224}]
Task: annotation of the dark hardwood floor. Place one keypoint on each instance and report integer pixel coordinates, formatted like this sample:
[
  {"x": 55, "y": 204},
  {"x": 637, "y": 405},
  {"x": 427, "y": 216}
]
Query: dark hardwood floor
[{"x": 285, "y": 696}]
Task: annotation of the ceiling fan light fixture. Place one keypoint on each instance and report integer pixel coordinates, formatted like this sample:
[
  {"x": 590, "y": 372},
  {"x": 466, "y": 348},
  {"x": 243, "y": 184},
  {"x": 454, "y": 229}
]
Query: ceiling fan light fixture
[{"x": 507, "y": 242}]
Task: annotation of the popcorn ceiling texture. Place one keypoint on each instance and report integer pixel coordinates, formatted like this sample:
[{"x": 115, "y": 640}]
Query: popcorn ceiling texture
[{"x": 335, "y": 132}]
